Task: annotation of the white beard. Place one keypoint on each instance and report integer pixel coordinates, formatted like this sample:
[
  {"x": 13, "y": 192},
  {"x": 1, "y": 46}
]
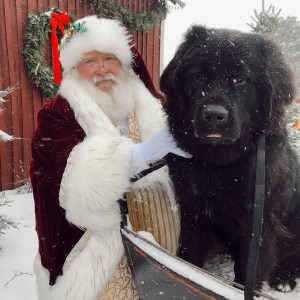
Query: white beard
[{"x": 115, "y": 104}]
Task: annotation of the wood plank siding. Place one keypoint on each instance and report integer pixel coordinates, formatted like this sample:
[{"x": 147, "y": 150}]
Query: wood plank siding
[{"x": 19, "y": 117}]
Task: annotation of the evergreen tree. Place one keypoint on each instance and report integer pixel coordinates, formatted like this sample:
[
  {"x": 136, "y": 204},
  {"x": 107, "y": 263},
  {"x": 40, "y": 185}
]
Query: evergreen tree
[
  {"x": 286, "y": 32},
  {"x": 287, "y": 36},
  {"x": 266, "y": 21}
]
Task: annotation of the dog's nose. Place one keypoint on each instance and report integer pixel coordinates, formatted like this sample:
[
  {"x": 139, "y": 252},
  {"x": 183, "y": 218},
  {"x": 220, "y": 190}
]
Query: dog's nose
[{"x": 214, "y": 114}]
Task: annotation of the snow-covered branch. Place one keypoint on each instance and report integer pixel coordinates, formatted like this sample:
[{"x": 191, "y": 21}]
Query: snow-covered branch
[{"x": 4, "y": 137}]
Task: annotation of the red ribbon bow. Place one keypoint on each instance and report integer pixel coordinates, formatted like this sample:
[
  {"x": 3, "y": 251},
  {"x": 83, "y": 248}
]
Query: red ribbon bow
[{"x": 57, "y": 20}]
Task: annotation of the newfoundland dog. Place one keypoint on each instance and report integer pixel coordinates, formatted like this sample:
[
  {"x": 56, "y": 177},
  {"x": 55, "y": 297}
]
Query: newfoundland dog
[{"x": 224, "y": 89}]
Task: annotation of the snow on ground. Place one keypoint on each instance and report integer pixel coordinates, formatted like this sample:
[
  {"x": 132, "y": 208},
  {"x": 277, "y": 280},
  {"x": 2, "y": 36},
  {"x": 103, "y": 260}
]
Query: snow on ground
[{"x": 18, "y": 248}]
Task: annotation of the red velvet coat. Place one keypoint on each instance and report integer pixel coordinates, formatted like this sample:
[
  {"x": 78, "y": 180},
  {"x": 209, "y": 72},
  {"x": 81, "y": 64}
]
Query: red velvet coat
[{"x": 56, "y": 135}]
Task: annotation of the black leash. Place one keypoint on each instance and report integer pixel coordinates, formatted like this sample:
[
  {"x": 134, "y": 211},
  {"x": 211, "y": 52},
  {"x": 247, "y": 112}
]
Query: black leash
[
  {"x": 153, "y": 167},
  {"x": 258, "y": 212}
]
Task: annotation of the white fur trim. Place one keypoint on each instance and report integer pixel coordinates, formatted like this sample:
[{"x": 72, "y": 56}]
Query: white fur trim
[
  {"x": 96, "y": 177},
  {"x": 87, "y": 112},
  {"x": 149, "y": 114},
  {"x": 89, "y": 271},
  {"x": 102, "y": 35}
]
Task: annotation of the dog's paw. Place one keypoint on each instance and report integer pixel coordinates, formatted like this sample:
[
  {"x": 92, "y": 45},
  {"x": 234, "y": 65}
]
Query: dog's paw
[{"x": 282, "y": 285}]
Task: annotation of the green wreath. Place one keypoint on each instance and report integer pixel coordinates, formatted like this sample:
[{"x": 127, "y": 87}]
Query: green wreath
[
  {"x": 37, "y": 33},
  {"x": 38, "y": 30}
]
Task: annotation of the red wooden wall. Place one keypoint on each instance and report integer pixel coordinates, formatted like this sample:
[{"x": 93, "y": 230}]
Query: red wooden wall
[{"x": 19, "y": 117}]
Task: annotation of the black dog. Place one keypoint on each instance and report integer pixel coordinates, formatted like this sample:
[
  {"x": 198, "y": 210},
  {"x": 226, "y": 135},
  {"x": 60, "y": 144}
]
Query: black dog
[{"x": 224, "y": 89}]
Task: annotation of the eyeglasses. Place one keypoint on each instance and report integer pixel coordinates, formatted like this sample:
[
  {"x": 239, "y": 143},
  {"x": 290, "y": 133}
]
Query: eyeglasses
[{"x": 93, "y": 66}]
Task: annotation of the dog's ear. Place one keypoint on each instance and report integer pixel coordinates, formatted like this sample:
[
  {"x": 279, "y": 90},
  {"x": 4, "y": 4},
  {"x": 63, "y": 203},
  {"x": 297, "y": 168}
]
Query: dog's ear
[
  {"x": 169, "y": 83},
  {"x": 276, "y": 83}
]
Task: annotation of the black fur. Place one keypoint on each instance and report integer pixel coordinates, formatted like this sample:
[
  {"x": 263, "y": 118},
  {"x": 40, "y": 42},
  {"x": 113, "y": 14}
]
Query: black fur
[{"x": 223, "y": 90}]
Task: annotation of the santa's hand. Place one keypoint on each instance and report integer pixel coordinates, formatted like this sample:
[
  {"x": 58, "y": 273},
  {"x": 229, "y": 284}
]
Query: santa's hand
[{"x": 153, "y": 149}]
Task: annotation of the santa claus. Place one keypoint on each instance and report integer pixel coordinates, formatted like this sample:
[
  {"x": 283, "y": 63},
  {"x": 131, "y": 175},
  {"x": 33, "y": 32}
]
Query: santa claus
[{"x": 103, "y": 127}]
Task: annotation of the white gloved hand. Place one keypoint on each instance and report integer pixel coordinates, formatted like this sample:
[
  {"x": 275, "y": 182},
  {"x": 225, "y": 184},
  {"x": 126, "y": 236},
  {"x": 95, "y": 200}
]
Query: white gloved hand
[{"x": 153, "y": 149}]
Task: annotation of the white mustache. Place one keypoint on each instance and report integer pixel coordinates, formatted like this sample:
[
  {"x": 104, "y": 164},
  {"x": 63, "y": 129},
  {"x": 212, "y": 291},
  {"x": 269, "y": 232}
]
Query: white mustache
[{"x": 99, "y": 78}]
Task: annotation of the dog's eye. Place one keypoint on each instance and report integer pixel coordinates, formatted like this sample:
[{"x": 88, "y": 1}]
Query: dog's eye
[
  {"x": 239, "y": 80},
  {"x": 200, "y": 78}
]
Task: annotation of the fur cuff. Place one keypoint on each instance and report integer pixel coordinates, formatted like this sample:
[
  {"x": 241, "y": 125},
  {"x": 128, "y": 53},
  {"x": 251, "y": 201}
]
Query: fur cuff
[{"x": 96, "y": 176}]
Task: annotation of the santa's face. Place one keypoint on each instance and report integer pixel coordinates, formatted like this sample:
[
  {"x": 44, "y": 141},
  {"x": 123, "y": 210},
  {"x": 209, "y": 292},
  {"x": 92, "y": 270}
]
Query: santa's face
[{"x": 100, "y": 68}]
